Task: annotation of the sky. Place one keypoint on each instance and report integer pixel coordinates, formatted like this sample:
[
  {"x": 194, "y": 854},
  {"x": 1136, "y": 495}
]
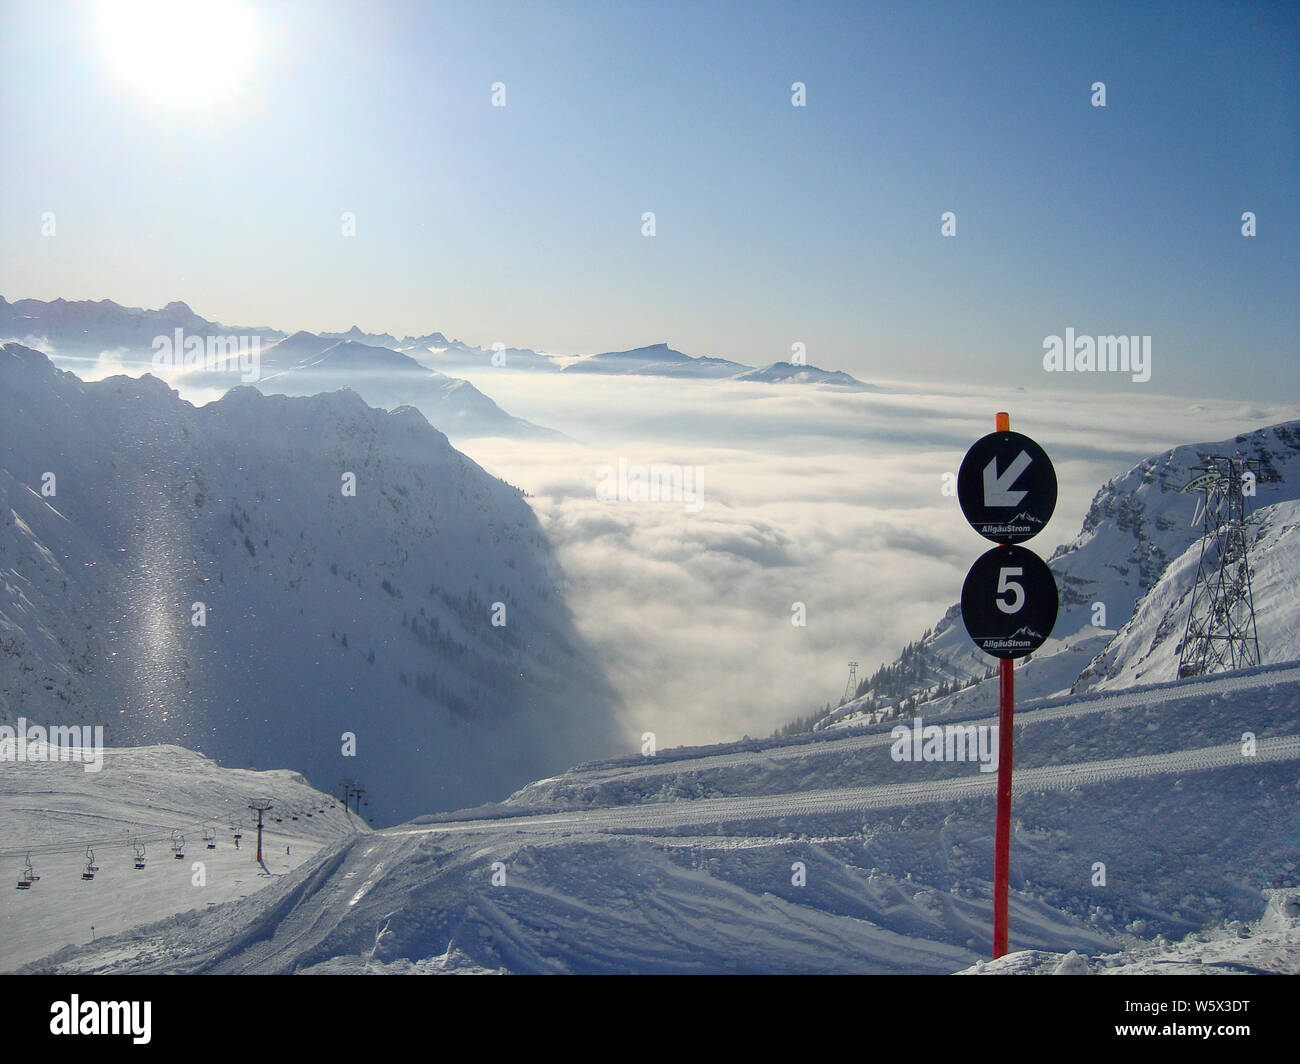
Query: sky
[{"x": 214, "y": 166}]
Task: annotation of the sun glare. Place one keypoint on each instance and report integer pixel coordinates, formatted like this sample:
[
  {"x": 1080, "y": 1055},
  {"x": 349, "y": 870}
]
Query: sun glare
[{"x": 179, "y": 51}]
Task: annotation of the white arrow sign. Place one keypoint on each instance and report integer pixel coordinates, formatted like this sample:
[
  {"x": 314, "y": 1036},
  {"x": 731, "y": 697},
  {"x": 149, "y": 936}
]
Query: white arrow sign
[{"x": 997, "y": 489}]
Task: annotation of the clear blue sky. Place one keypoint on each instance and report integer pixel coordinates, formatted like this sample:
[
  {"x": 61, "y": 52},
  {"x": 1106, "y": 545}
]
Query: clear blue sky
[{"x": 775, "y": 224}]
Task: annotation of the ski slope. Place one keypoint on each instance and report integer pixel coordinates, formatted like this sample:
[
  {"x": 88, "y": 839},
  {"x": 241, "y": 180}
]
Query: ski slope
[
  {"x": 53, "y": 811},
  {"x": 1194, "y": 834}
]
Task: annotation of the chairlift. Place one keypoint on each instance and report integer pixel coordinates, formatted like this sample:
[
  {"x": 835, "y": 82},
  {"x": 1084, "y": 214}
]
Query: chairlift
[
  {"x": 25, "y": 880},
  {"x": 210, "y": 837},
  {"x": 29, "y": 871},
  {"x": 178, "y": 845},
  {"x": 139, "y": 855},
  {"x": 235, "y": 829},
  {"x": 91, "y": 868}
]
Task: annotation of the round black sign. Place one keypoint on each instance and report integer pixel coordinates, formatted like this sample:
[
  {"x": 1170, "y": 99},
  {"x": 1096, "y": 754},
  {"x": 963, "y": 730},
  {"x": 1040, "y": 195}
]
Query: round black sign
[
  {"x": 1009, "y": 602},
  {"x": 1006, "y": 487}
]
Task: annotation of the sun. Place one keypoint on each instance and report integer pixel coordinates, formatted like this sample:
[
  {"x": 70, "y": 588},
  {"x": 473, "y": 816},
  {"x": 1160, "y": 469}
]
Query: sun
[{"x": 181, "y": 52}]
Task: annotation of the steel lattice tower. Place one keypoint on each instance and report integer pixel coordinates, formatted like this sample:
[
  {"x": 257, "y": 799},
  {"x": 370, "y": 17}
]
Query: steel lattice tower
[
  {"x": 851, "y": 688},
  {"x": 1220, "y": 632}
]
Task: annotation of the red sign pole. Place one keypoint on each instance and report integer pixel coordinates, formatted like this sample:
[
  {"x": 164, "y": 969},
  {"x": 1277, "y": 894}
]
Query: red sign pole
[{"x": 1002, "y": 835}]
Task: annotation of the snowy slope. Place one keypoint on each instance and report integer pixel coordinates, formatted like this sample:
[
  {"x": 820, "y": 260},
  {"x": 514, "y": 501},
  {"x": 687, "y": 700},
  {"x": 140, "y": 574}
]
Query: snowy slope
[
  {"x": 304, "y": 364},
  {"x": 1268, "y": 945},
  {"x": 687, "y": 862},
  {"x": 1147, "y": 646},
  {"x": 1138, "y": 524},
  {"x": 53, "y": 811},
  {"x": 326, "y": 614}
]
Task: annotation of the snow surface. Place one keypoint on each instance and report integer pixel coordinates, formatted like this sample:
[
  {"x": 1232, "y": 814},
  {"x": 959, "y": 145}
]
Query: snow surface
[
  {"x": 54, "y": 810},
  {"x": 686, "y": 864},
  {"x": 1267, "y": 946}
]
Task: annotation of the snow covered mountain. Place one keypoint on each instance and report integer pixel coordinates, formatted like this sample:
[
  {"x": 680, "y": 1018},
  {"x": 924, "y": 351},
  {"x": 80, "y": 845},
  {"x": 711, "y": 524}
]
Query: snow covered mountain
[
  {"x": 1138, "y": 545},
  {"x": 305, "y": 364},
  {"x": 88, "y": 327},
  {"x": 789, "y": 373},
  {"x": 656, "y": 360},
  {"x": 301, "y": 364},
  {"x": 437, "y": 352},
  {"x": 1147, "y": 645},
  {"x": 208, "y": 577},
  {"x": 660, "y": 360}
]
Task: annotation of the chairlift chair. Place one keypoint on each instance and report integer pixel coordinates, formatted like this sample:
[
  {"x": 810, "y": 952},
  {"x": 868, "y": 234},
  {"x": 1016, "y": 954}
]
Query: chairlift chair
[
  {"x": 91, "y": 868},
  {"x": 29, "y": 871}
]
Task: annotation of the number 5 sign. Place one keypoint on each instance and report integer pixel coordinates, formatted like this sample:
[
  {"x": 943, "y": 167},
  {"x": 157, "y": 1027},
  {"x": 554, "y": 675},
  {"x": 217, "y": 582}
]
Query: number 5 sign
[{"x": 1009, "y": 602}]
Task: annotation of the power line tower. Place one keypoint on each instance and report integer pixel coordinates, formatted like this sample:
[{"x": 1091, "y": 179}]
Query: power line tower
[
  {"x": 1220, "y": 632},
  {"x": 259, "y": 806},
  {"x": 851, "y": 688}
]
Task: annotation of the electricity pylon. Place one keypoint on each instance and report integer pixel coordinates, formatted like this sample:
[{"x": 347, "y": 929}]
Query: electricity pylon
[{"x": 1221, "y": 633}]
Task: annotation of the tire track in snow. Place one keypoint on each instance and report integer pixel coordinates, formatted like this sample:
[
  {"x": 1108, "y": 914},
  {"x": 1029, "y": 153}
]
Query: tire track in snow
[
  {"x": 1085, "y": 705},
  {"x": 864, "y": 799}
]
